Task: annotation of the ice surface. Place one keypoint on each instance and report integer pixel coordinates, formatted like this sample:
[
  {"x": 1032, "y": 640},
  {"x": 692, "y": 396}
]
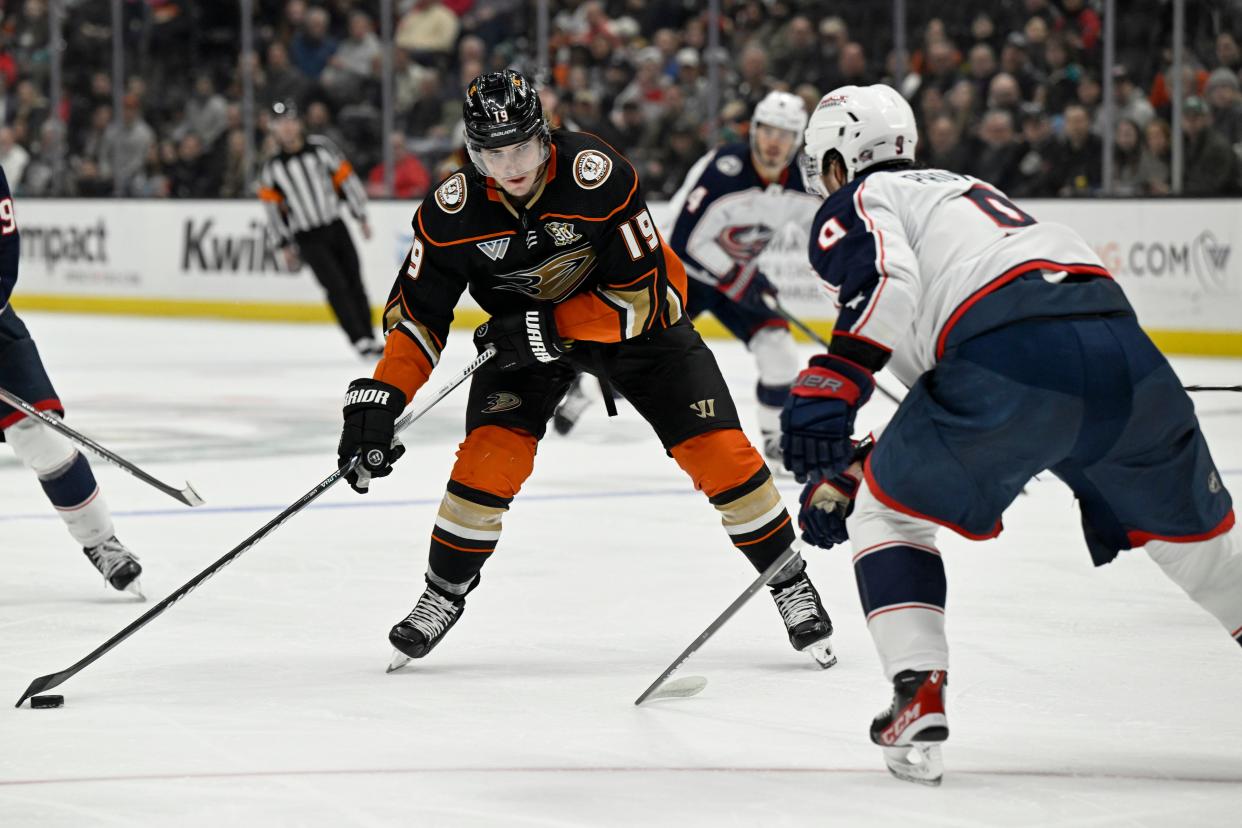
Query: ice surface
[{"x": 1077, "y": 696}]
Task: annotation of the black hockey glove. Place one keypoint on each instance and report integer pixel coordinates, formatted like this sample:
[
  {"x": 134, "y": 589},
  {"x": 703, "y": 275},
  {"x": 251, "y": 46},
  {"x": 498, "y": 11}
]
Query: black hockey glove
[
  {"x": 747, "y": 286},
  {"x": 371, "y": 409},
  {"x": 521, "y": 339},
  {"x": 827, "y": 502},
  {"x": 818, "y": 417}
]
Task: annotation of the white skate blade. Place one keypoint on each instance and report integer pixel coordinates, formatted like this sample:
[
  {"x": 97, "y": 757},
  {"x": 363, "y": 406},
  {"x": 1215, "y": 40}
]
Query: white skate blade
[
  {"x": 134, "y": 588},
  {"x": 921, "y": 764},
  {"x": 399, "y": 660},
  {"x": 821, "y": 651},
  {"x": 679, "y": 688}
]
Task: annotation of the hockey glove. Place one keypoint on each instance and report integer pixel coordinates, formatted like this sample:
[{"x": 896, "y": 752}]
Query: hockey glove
[
  {"x": 747, "y": 286},
  {"x": 818, "y": 417},
  {"x": 521, "y": 339},
  {"x": 371, "y": 409},
  {"x": 825, "y": 504}
]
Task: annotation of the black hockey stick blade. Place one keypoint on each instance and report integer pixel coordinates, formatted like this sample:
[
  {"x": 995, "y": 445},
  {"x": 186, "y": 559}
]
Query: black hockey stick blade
[
  {"x": 721, "y": 620},
  {"x": 55, "y": 679},
  {"x": 776, "y": 307},
  {"x": 186, "y": 495},
  {"x": 1213, "y": 387}
]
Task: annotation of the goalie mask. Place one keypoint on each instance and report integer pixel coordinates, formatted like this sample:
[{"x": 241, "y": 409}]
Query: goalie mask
[
  {"x": 864, "y": 125},
  {"x": 783, "y": 111},
  {"x": 506, "y": 135}
]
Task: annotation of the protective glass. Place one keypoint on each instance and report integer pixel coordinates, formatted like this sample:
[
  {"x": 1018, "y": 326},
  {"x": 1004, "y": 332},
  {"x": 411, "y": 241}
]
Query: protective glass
[
  {"x": 512, "y": 161},
  {"x": 810, "y": 175}
]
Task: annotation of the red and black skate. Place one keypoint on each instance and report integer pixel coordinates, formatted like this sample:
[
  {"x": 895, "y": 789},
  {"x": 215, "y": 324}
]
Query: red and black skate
[{"x": 911, "y": 730}]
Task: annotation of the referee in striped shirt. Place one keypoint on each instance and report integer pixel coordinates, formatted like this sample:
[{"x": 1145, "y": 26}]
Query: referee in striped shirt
[{"x": 302, "y": 187}]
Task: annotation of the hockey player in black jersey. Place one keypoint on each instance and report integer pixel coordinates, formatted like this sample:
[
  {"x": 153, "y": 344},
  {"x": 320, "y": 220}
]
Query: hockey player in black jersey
[
  {"x": 551, "y": 235},
  {"x": 64, "y": 473}
]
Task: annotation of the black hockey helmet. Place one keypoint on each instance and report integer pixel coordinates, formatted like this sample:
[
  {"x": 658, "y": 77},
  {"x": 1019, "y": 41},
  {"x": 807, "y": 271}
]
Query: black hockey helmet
[{"x": 502, "y": 108}]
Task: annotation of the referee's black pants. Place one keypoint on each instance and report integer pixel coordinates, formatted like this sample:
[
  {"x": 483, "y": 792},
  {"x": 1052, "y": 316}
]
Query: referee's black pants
[{"x": 329, "y": 252}]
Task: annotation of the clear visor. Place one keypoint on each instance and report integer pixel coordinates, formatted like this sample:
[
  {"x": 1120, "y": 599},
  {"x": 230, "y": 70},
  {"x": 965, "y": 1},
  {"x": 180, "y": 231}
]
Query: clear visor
[
  {"x": 773, "y": 145},
  {"x": 513, "y": 161},
  {"x": 810, "y": 175}
]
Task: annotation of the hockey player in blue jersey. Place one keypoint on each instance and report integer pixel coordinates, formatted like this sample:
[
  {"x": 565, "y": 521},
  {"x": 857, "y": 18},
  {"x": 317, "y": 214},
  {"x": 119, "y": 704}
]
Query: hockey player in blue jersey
[
  {"x": 1022, "y": 355},
  {"x": 732, "y": 203},
  {"x": 63, "y": 472}
]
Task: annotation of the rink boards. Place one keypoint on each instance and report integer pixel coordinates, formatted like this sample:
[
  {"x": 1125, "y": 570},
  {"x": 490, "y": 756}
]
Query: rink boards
[{"x": 216, "y": 259}]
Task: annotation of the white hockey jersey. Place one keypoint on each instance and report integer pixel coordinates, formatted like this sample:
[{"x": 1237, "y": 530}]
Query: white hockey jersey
[
  {"x": 909, "y": 252},
  {"x": 725, "y": 214}
]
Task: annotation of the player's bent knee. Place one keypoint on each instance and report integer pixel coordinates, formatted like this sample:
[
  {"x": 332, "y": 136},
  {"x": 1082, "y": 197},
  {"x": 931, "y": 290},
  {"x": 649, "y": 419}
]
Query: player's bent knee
[
  {"x": 776, "y": 355},
  {"x": 496, "y": 460},
  {"x": 718, "y": 460},
  {"x": 874, "y": 522},
  {"x": 39, "y": 447}
]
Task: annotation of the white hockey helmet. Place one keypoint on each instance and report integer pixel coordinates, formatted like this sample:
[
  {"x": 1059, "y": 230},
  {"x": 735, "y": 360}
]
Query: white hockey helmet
[
  {"x": 783, "y": 110},
  {"x": 865, "y": 124}
]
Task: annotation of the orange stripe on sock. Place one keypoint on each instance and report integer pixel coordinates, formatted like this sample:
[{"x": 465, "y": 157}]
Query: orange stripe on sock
[{"x": 768, "y": 535}]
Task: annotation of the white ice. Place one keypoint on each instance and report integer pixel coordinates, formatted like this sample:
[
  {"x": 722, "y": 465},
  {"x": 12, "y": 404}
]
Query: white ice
[{"x": 1077, "y": 696}]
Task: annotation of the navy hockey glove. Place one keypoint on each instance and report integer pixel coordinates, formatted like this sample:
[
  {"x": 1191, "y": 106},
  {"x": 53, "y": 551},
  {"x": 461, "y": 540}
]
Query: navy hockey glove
[
  {"x": 521, "y": 339},
  {"x": 747, "y": 285},
  {"x": 818, "y": 417},
  {"x": 826, "y": 503},
  {"x": 371, "y": 410}
]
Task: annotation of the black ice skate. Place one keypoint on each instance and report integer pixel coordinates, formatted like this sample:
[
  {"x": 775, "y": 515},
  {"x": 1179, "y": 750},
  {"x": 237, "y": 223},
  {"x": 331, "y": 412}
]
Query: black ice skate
[
  {"x": 805, "y": 619},
  {"x": 772, "y": 453},
  {"x": 576, "y": 400},
  {"x": 117, "y": 564},
  {"x": 911, "y": 730},
  {"x": 434, "y": 615}
]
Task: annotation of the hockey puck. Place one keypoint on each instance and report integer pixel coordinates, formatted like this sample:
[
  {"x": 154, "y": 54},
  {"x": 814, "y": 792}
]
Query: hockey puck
[{"x": 47, "y": 701}]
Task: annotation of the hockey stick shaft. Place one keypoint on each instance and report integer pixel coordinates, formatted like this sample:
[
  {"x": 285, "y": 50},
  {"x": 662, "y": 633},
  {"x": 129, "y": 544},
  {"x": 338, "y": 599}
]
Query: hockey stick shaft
[
  {"x": 779, "y": 309},
  {"x": 186, "y": 495},
  {"x": 756, "y": 585},
  {"x": 1213, "y": 387},
  {"x": 54, "y": 679}
]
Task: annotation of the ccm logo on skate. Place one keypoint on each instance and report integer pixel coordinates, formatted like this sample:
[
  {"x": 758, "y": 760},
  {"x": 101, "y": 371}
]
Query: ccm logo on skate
[
  {"x": 367, "y": 395},
  {"x": 535, "y": 335},
  {"x": 907, "y": 717}
]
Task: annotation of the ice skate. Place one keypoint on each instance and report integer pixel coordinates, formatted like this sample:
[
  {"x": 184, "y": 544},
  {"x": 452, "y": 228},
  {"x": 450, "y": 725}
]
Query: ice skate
[
  {"x": 772, "y": 453},
  {"x": 117, "y": 564},
  {"x": 911, "y": 730},
  {"x": 571, "y": 407},
  {"x": 415, "y": 636},
  {"x": 369, "y": 349},
  {"x": 808, "y": 624}
]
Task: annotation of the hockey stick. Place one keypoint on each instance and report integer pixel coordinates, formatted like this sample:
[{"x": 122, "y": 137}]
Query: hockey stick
[
  {"x": 774, "y": 304},
  {"x": 690, "y": 685},
  {"x": 54, "y": 679},
  {"x": 1213, "y": 387},
  {"x": 187, "y": 495}
]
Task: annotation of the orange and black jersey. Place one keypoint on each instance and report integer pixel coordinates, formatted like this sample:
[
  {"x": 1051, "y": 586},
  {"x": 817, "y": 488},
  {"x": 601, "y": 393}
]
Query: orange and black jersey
[{"x": 585, "y": 243}]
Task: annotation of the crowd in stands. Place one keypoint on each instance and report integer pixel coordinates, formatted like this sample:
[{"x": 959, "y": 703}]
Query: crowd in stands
[{"x": 1007, "y": 90}]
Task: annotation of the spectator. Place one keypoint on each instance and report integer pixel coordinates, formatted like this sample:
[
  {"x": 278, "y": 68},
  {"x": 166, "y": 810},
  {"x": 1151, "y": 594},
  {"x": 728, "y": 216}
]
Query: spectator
[
  {"x": 1223, "y": 98},
  {"x": 1130, "y": 100},
  {"x": 996, "y": 155},
  {"x": 233, "y": 178},
  {"x": 151, "y": 181},
  {"x": 852, "y": 66},
  {"x": 647, "y": 88},
  {"x": 281, "y": 81},
  {"x": 1077, "y": 169},
  {"x": 319, "y": 122},
  {"x": 1210, "y": 166},
  {"x": 982, "y": 68},
  {"x": 1061, "y": 87},
  {"x": 694, "y": 86},
  {"x": 587, "y": 115},
  {"x": 1036, "y": 164},
  {"x": 940, "y": 71},
  {"x": 206, "y": 111},
  {"x": 1127, "y": 156},
  {"x": 754, "y": 82},
  {"x": 47, "y": 173},
  {"x": 1004, "y": 93},
  {"x": 944, "y": 149},
  {"x": 350, "y": 66},
  {"x": 13, "y": 158},
  {"x": 428, "y": 30},
  {"x": 313, "y": 46},
  {"x": 1228, "y": 55},
  {"x": 1081, "y": 24},
  {"x": 123, "y": 151},
  {"x": 801, "y": 56},
  {"x": 1155, "y": 165},
  {"x": 410, "y": 177},
  {"x": 1015, "y": 62}
]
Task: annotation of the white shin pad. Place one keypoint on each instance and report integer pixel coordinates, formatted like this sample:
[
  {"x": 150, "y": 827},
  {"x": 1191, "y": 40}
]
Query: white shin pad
[{"x": 1209, "y": 571}]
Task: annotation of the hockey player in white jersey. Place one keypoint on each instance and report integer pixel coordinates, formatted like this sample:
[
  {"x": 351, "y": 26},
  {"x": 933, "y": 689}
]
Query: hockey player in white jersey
[
  {"x": 1022, "y": 354},
  {"x": 733, "y": 202}
]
